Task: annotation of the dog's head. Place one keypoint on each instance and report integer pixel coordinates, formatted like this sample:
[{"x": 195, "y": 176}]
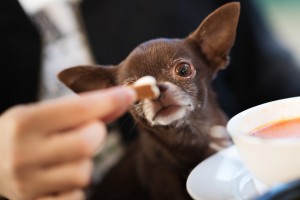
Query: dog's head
[{"x": 183, "y": 68}]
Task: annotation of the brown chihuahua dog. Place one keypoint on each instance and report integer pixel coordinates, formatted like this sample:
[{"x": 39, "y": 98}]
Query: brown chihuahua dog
[{"x": 177, "y": 130}]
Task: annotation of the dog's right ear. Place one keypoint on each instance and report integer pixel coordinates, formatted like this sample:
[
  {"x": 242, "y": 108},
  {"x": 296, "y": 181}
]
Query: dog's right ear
[{"x": 86, "y": 78}]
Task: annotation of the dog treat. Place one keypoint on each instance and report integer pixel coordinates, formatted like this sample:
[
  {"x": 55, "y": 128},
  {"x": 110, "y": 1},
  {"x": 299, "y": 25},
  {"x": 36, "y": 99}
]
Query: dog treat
[{"x": 146, "y": 88}]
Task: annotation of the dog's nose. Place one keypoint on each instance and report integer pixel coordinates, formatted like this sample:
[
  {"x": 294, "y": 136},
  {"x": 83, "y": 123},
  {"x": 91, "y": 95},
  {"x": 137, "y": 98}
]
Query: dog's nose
[{"x": 162, "y": 87}]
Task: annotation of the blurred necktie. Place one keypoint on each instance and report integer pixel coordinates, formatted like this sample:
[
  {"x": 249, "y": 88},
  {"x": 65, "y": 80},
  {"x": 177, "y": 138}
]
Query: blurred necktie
[{"x": 64, "y": 41}]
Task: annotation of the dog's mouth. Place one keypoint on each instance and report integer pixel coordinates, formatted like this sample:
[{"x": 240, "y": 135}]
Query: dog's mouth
[
  {"x": 169, "y": 109},
  {"x": 166, "y": 111},
  {"x": 167, "y": 114}
]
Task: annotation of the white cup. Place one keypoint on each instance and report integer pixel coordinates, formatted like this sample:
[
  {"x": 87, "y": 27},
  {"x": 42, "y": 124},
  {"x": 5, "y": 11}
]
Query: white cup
[{"x": 272, "y": 161}]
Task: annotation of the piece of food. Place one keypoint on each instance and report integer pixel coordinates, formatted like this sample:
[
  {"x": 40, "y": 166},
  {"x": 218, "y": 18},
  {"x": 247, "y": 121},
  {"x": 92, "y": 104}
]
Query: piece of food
[{"x": 146, "y": 88}]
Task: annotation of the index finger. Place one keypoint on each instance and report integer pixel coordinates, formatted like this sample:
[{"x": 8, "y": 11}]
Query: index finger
[{"x": 72, "y": 111}]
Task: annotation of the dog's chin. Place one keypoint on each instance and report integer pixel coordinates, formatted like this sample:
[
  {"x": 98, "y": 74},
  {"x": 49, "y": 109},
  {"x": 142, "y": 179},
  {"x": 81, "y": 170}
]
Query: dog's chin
[{"x": 167, "y": 116}]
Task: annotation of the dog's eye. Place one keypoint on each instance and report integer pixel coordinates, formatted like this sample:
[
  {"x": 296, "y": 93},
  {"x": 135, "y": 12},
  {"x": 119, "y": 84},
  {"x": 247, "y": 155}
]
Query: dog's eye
[{"x": 183, "y": 70}]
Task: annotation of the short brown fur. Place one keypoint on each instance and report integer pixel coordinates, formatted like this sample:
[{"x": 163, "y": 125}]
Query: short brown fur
[{"x": 156, "y": 166}]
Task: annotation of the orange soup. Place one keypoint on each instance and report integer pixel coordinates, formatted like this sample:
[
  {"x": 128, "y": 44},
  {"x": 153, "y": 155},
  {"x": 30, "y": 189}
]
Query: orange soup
[{"x": 282, "y": 129}]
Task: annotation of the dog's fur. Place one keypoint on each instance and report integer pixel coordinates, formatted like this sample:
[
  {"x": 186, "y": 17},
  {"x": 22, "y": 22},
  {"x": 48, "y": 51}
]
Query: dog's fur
[{"x": 176, "y": 130}]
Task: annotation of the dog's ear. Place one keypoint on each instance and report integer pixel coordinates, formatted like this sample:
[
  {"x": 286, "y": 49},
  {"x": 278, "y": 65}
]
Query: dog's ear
[
  {"x": 216, "y": 34},
  {"x": 86, "y": 78}
]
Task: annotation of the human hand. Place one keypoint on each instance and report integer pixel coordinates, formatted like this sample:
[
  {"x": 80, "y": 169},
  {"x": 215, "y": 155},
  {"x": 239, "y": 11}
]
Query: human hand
[{"x": 46, "y": 148}]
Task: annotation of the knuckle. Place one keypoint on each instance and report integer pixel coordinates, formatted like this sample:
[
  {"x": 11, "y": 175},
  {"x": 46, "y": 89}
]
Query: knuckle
[
  {"x": 22, "y": 191},
  {"x": 99, "y": 126},
  {"x": 83, "y": 174},
  {"x": 15, "y": 163},
  {"x": 81, "y": 109},
  {"x": 16, "y": 110},
  {"x": 85, "y": 146},
  {"x": 18, "y": 118},
  {"x": 84, "y": 149},
  {"x": 77, "y": 195}
]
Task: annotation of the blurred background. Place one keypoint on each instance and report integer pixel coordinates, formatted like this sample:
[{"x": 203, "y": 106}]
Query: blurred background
[
  {"x": 283, "y": 16},
  {"x": 32, "y": 53}
]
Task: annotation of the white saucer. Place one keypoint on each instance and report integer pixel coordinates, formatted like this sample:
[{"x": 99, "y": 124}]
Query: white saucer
[{"x": 222, "y": 176}]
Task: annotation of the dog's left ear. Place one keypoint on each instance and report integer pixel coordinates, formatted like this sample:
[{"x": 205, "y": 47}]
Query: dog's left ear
[{"x": 216, "y": 34}]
